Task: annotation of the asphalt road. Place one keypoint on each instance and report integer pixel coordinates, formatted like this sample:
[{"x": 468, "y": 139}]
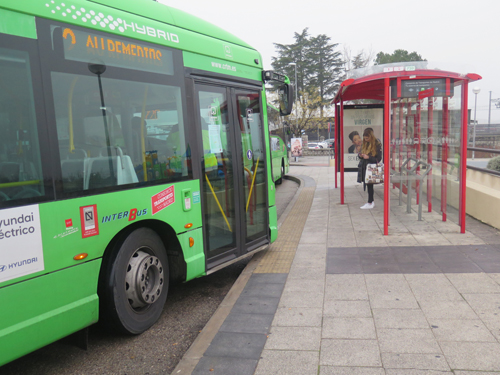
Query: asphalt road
[{"x": 188, "y": 308}]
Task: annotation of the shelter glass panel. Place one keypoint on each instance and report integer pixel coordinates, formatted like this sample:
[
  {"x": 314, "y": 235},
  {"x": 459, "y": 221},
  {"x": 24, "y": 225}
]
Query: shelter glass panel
[{"x": 425, "y": 150}]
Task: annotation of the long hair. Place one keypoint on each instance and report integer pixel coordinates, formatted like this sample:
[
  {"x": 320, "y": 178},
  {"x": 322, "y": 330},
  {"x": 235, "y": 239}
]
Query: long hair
[{"x": 369, "y": 147}]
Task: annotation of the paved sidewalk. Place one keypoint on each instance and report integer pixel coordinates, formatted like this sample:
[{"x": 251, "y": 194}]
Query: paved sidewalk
[{"x": 334, "y": 296}]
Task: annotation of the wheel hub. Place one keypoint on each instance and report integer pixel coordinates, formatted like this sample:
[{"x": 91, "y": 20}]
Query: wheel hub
[{"x": 144, "y": 280}]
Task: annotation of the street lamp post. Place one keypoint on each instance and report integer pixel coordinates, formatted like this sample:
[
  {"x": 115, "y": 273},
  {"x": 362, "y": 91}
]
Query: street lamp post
[
  {"x": 296, "y": 113},
  {"x": 476, "y": 91}
]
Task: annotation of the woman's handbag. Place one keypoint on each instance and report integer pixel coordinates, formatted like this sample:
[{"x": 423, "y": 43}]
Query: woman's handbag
[{"x": 374, "y": 173}]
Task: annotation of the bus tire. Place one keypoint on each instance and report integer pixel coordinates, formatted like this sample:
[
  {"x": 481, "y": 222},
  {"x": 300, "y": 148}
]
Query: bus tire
[
  {"x": 135, "y": 283},
  {"x": 280, "y": 180}
]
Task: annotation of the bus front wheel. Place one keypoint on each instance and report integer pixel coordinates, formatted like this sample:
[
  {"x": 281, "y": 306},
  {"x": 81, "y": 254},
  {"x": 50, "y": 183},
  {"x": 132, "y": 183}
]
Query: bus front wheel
[{"x": 136, "y": 283}]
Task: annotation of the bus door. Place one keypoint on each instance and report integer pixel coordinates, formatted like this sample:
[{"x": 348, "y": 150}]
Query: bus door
[{"x": 233, "y": 171}]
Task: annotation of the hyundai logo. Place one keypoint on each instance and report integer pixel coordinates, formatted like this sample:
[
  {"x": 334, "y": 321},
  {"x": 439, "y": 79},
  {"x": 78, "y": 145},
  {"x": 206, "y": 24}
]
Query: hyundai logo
[{"x": 2, "y": 268}]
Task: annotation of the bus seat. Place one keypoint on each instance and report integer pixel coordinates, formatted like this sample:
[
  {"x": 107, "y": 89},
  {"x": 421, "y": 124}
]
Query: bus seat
[
  {"x": 27, "y": 192},
  {"x": 73, "y": 169},
  {"x": 9, "y": 172},
  {"x": 77, "y": 153},
  {"x": 73, "y": 174},
  {"x": 99, "y": 174},
  {"x": 126, "y": 174},
  {"x": 113, "y": 151}
]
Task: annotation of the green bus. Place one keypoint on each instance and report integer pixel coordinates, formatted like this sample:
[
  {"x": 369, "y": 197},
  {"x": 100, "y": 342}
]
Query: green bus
[
  {"x": 134, "y": 152},
  {"x": 280, "y": 163}
]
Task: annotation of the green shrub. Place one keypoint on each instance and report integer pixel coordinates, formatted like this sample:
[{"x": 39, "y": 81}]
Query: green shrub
[{"x": 494, "y": 164}]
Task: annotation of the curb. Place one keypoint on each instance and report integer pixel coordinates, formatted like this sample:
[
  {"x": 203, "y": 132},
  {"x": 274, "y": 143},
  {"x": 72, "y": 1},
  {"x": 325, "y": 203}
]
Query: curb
[{"x": 202, "y": 342}]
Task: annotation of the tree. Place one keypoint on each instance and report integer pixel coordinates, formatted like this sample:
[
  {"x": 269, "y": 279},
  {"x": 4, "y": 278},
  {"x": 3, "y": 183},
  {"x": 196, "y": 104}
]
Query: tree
[
  {"x": 399, "y": 55},
  {"x": 319, "y": 66},
  {"x": 325, "y": 68},
  {"x": 293, "y": 53},
  {"x": 361, "y": 60},
  {"x": 309, "y": 112}
]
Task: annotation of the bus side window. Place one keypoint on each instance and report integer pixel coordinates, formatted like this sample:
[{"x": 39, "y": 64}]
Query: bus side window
[
  {"x": 20, "y": 159},
  {"x": 137, "y": 136}
]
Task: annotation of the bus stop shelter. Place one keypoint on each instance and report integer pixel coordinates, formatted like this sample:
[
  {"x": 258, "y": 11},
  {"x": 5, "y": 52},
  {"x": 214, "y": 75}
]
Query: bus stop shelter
[{"x": 420, "y": 115}]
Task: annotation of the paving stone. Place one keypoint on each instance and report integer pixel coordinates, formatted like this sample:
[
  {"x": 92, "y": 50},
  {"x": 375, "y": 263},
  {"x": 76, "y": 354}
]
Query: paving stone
[
  {"x": 333, "y": 370},
  {"x": 407, "y": 341},
  {"x": 256, "y": 305},
  {"x": 415, "y": 372},
  {"x": 304, "y": 285},
  {"x": 298, "y": 317},
  {"x": 472, "y": 283},
  {"x": 495, "y": 277},
  {"x": 415, "y": 361},
  {"x": 247, "y": 323},
  {"x": 236, "y": 345},
  {"x": 477, "y": 356},
  {"x": 263, "y": 290},
  {"x": 225, "y": 365},
  {"x": 310, "y": 260},
  {"x": 487, "y": 306},
  {"x": 302, "y": 299},
  {"x": 344, "y": 264},
  {"x": 433, "y": 287},
  {"x": 317, "y": 237},
  {"x": 318, "y": 251},
  {"x": 306, "y": 273},
  {"x": 447, "y": 310},
  {"x": 400, "y": 318},
  {"x": 393, "y": 299},
  {"x": 268, "y": 278},
  {"x": 494, "y": 326},
  {"x": 279, "y": 362},
  {"x": 347, "y": 309},
  {"x": 348, "y": 328},
  {"x": 432, "y": 239},
  {"x": 363, "y": 353},
  {"x": 345, "y": 287},
  {"x": 461, "y": 330},
  {"x": 294, "y": 338}
]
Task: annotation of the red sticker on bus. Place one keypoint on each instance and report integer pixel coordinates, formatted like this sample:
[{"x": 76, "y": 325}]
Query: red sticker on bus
[
  {"x": 88, "y": 217},
  {"x": 163, "y": 199},
  {"x": 69, "y": 223}
]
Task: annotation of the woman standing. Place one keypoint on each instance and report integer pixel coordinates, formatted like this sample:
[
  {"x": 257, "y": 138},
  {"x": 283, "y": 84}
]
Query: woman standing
[{"x": 371, "y": 153}]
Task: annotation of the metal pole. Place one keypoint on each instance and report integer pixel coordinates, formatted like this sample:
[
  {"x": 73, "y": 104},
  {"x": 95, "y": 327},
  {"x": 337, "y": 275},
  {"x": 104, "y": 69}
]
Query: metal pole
[
  {"x": 387, "y": 116},
  {"x": 474, "y": 133},
  {"x": 296, "y": 112},
  {"x": 296, "y": 90},
  {"x": 489, "y": 113},
  {"x": 463, "y": 159}
]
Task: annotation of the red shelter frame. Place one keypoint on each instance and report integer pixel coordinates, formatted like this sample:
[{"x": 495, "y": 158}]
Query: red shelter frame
[{"x": 378, "y": 87}]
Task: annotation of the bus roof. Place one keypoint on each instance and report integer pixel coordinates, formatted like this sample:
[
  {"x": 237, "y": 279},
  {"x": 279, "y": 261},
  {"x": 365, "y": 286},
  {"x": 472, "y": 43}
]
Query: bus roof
[
  {"x": 145, "y": 20},
  {"x": 164, "y": 13}
]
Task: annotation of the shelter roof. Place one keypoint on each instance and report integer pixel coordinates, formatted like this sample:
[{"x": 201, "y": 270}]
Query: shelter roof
[{"x": 372, "y": 86}]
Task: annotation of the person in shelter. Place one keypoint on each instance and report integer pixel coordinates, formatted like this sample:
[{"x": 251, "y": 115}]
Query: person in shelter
[{"x": 371, "y": 153}]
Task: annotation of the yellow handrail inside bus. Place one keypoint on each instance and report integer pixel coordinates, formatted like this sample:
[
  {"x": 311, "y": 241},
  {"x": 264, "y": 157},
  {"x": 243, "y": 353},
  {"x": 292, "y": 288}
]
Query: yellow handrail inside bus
[
  {"x": 70, "y": 115},
  {"x": 218, "y": 204},
  {"x": 19, "y": 183},
  {"x": 143, "y": 141},
  {"x": 253, "y": 181}
]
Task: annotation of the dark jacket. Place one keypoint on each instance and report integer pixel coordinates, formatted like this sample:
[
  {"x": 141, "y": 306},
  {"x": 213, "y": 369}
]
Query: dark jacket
[{"x": 371, "y": 160}]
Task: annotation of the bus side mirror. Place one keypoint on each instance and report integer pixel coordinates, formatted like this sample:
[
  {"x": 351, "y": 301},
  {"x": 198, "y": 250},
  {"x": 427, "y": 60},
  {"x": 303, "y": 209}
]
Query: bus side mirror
[{"x": 285, "y": 93}]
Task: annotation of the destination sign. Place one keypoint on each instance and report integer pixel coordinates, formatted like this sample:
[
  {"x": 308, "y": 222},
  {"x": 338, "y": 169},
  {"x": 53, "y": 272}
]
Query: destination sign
[{"x": 88, "y": 47}]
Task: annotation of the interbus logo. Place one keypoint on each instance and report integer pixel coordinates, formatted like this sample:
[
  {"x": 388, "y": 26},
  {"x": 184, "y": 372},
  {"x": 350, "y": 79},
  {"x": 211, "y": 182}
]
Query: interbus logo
[{"x": 107, "y": 21}]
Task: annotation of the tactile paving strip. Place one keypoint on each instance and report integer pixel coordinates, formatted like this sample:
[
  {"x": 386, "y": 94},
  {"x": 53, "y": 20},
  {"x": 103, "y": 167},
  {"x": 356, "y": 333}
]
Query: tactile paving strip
[{"x": 279, "y": 256}]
